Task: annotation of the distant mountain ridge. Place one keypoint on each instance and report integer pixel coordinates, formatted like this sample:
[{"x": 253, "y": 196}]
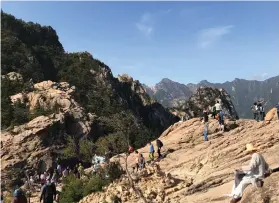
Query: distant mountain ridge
[{"x": 243, "y": 92}]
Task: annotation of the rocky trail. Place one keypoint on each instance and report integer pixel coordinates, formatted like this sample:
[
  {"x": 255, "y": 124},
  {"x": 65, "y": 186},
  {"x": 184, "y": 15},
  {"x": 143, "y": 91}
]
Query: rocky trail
[{"x": 195, "y": 171}]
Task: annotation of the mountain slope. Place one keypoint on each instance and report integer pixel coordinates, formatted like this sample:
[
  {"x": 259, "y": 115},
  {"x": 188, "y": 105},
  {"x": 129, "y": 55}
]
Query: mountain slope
[
  {"x": 243, "y": 93},
  {"x": 33, "y": 56},
  {"x": 195, "y": 171}
]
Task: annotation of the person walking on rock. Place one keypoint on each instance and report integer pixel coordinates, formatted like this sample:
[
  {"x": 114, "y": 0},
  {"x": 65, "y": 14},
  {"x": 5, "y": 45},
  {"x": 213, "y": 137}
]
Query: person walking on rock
[
  {"x": 254, "y": 173},
  {"x": 48, "y": 192},
  {"x": 205, "y": 121},
  {"x": 159, "y": 146},
  {"x": 151, "y": 151}
]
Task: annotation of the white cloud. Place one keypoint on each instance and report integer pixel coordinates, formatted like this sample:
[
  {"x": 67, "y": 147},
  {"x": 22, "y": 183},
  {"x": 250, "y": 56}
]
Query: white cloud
[
  {"x": 260, "y": 76},
  {"x": 209, "y": 36},
  {"x": 146, "y": 24}
]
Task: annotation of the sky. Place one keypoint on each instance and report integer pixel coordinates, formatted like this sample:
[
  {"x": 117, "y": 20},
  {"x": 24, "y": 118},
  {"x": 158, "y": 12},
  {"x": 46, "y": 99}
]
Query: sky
[{"x": 184, "y": 41}]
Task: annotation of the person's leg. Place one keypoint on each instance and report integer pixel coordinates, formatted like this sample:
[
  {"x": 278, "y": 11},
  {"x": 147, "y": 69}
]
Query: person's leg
[
  {"x": 238, "y": 191},
  {"x": 205, "y": 132}
]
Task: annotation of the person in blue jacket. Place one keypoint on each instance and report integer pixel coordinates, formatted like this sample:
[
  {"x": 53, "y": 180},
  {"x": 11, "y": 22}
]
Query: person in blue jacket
[{"x": 151, "y": 151}]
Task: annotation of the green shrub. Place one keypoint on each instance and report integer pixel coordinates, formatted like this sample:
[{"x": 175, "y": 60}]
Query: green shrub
[
  {"x": 95, "y": 184},
  {"x": 72, "y": 190}
]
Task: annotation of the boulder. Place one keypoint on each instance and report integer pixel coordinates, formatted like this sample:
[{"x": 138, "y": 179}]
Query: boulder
[{"x": 271, "y": 115}]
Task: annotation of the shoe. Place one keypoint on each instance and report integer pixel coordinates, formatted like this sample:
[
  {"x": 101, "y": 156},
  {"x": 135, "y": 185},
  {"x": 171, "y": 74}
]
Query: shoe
[{"x": 235, "y": 200}]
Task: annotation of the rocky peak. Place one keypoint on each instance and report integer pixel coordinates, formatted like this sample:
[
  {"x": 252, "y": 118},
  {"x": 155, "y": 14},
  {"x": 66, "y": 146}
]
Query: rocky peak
[{"x": 205, "y": 98}]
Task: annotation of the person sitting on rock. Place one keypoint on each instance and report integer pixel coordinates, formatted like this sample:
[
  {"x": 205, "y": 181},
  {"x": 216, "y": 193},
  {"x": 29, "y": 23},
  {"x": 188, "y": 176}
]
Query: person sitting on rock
[
  {"x": 253, "y": 174},
  {"x": 151, "y": 151}
]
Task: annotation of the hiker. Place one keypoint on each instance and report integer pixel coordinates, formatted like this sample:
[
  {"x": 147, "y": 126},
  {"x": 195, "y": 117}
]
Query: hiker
[
  {"x": 277, "y": 107},
  {"x": 252, "y": 174},
  {"x": 19, "y": 196},
  {"x": 214, "y": 113},
  {"x": 55, "y": 176},
  {"x": 141, "y": 162},
  {"x": 218, "y": 107},
  {"x": 66, "y": 172},
  {"x": 137, "y": 164},
  {"x": 131, "y": 149},
  {"x": 80, "y": 170},
  {"x": 260, "y": 110},
  {"x": 159, "y": 146},
  {"x": 59, "y": 169},
  {"x": 43, "y": 178},
  {"x": 151, "y": 151},
  {"x": 75, "y": 171},
  {"x": 220, "y": 118},
  {"x": 255, "y": 111},
  {"x": 205, "y": 121},
  {"x": 48, "y": 192}
]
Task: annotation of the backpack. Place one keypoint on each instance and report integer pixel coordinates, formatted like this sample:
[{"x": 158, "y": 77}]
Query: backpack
[{"x": 49, "y": 191}]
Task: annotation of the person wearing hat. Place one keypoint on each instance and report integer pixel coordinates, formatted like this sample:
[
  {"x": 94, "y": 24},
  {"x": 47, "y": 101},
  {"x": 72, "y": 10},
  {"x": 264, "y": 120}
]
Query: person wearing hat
[{"x": 254, "y": 173}]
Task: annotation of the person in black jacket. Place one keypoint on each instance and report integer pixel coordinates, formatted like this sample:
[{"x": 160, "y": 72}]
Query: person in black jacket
[
  {"x": 48, "y": 192},
  {"x": 159, "y": 146}
]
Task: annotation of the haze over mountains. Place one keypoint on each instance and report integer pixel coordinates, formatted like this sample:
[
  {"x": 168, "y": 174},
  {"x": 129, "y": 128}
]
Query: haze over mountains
[{"x": 243, "y": 92}]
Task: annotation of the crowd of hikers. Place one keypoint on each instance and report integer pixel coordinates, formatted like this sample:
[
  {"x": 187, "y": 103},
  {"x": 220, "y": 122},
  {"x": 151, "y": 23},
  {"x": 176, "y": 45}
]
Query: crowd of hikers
[
  {"x": 140, "y": 160},
  {"x": 258, "y": 111},
  {"x": 217, "y": 113},
  {"x": 48, "y": 181}
]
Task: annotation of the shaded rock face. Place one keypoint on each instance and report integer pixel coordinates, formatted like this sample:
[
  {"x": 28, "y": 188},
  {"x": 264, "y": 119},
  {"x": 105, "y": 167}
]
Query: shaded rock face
[
  {"x": 195, "y": 171},
  {"x": 205, "y": 99},
  {"x": 152, "y": 112}
]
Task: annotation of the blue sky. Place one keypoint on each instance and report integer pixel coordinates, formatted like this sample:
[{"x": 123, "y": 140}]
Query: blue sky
[{"x": 183, "y": 41}]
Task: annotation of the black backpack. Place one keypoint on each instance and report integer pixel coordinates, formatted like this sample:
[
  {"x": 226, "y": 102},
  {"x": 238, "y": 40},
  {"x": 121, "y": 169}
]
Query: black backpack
[{"x": 49, "y": 191}]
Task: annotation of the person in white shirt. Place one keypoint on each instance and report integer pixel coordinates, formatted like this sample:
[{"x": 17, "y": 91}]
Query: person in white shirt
[
  {"x": 252, "y": 174},
  {"x": 218, "y": 107}
]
